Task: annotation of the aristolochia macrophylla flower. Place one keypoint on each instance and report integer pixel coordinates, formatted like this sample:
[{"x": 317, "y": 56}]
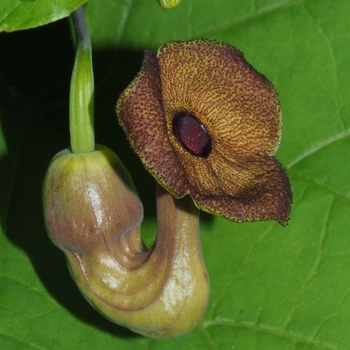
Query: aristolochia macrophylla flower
[{"x": 204, "y": 122}]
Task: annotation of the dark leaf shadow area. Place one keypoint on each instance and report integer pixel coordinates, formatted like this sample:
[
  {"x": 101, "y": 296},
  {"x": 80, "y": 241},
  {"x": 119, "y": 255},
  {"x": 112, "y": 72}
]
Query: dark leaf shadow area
[{"x": 41, "y": 95}]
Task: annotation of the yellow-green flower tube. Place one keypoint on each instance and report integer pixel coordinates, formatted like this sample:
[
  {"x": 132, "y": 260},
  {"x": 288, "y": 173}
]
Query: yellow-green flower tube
[{"x": 92, "y": 212}]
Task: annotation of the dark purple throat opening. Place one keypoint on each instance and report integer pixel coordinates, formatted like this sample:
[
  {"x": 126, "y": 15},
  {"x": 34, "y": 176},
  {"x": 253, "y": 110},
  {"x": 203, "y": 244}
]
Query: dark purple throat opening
[{"x": 192, "y": 135}]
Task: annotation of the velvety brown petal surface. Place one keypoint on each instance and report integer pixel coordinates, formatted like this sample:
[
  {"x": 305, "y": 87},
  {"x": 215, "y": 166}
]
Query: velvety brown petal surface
[
  {"x": 140, "y": 112},
  {"x": 218, "y": 123}
]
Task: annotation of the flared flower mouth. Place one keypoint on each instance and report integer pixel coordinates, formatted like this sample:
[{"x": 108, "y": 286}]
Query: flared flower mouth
[{"x": 204, "y": 122}]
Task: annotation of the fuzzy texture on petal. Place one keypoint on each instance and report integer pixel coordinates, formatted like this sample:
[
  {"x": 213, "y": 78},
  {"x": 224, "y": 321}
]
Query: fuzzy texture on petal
[
  {"x": 141, "y": 114},
  {"x": 239, "y": 110}
]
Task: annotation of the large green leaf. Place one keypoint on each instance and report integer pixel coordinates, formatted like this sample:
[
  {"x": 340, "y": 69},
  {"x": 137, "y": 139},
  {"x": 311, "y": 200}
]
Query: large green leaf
[
  {"x": 272, "y": 288},
  {"x": 24, "y": 14}
]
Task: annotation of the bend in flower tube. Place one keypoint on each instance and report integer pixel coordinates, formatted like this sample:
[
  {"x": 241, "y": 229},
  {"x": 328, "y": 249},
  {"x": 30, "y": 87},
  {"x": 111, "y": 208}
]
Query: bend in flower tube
[{"x": 94, "y": 216}]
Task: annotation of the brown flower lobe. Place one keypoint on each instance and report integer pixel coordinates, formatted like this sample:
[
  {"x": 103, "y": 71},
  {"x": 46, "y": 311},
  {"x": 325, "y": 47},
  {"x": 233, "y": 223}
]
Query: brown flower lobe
[{"x": 220, "y": 150}]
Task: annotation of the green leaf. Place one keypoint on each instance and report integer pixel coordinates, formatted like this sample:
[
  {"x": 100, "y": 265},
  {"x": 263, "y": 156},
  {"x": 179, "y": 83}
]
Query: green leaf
[
  {"x": 272, "y": 288},
  {"x": 24, "y": 14}
]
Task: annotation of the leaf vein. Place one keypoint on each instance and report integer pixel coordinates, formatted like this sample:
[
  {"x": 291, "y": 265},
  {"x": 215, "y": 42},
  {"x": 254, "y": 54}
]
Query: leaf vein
[
  {"x": 318, "y": 147},
  {"x": 207, "y": 336},
  {"x": 244, "y": 262},
  {"x": 323, "y": 188},
  {"x": 251, "y": 17},
  {"x": 314, "y": 269},
  {"x": 284, "y": 334},
  {"x": 334, "y": 63}
]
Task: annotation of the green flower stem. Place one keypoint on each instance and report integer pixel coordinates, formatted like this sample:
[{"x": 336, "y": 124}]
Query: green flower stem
[{"x": 81, "y": 104}]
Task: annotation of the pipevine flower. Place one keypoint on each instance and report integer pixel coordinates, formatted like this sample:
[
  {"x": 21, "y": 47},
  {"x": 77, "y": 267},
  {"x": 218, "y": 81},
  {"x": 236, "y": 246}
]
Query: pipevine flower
[{"x": 204, "y": 122}]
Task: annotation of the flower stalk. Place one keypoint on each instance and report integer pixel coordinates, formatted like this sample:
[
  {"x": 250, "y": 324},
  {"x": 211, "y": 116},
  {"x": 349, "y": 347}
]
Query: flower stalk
[{"x": 81, "y": 100}]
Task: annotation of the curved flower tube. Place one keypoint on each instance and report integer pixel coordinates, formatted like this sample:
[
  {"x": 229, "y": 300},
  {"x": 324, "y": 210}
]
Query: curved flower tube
[
  {"x": 92, "y": 213},
  {"x": 204, "y": 122}
]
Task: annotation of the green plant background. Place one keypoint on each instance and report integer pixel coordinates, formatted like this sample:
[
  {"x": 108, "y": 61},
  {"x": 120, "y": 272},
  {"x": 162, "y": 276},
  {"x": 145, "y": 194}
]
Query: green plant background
[{"x": 272, "y": 288}]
